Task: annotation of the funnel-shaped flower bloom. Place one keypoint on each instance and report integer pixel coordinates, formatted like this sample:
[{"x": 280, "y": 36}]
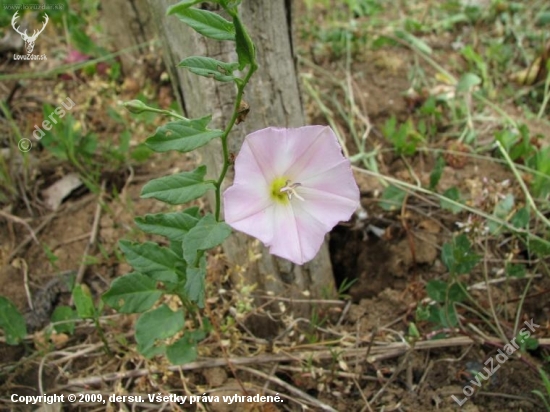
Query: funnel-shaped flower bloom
[{"x": 291, "y": 187}]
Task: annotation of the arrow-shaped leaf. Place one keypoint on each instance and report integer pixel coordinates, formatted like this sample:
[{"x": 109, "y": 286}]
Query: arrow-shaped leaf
[
  {"x": 152, "y": 260},
  {"x": 208, "y": 67},
  {"x": 245, "y": 47},
  {"x": 153, "y": 327},
  {"x": 12, "y": 322},
  {"x": 208, "y": 24},
  {"x": 132, "y": 293},
  {"x": 181, "y": 6},
  {"x": 182, "y": 135},
  {"x": 179, "y": 188},
  {"x": 205, "y": 235},
  {"x": 174, "y": 225},
  {"x": 195, "y": 282}
]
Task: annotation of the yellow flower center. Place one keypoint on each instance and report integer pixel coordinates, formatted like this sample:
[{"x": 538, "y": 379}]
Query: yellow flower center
[{"x": 282, "y": 190}]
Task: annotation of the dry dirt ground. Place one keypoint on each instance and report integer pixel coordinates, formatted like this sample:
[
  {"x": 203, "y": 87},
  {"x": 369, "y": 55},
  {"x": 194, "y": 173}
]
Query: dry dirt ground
[{"x": 389, "y": 271}]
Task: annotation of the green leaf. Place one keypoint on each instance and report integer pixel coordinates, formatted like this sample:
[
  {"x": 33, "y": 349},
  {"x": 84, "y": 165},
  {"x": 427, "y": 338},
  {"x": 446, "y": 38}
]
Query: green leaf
[
  {"x": 540, "y": 184},
  {"x": 132, "y": 293},
  {"x": 141, "y": 153},
  {"x": 392, "y": 198},
  {"x": 195, "y": 283},
  {"x": 205, "y": 235},
  {"x": 502, "y": 211},
  {"x": 422, "y": 312},
  {"x": 182, "y": 135},
  {"x": 437, "y": 172},
  {"x": 11, "y": 322},
  {"x": 182, "y": 351},
  {"x": 539, "y": 247},
  {"x": 228, "y": 4},
  {"x": 156, "y": 325},
  {"x": 441, "y": 292},
  {"x": 527, "y": 343},
  {"x": 176, "y": 247},
  {"x": 208, "y": 67},
  {"x": 66, "y": 315},
  {"x": 516, "y": 271},
  {"x": 458, "y": 256},
  {"x": 153, "y": 260},
  {"x": 84, "y": 302},
  {"x": 452, "y": 194},
  {"x": 414, "y": 41},
  {"x": 208, "y": 24},
  {"x": 456, "y": 293},
  {"x": 543, "y": 18},
  {"x": 245, "y": 47},
  {"x": 185, "y": 349},
  {"x": 504, "y": 207},
  {"x": 193, "y": 212},
  {"x": 521, "y": 218},
  {"x": 448, "y": 317},
  {"x": 181, "y": 6},
  {"x": 437, "y": 290},
  {"x": 174, "y": 225},
  {"x": 179, "y": 188},
  {"x": 413, "y": 331},
  {"x": 467, "y": 81}
]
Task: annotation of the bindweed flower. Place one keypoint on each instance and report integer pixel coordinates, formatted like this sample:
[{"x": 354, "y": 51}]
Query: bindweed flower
[{"x": 291, "y": 187}]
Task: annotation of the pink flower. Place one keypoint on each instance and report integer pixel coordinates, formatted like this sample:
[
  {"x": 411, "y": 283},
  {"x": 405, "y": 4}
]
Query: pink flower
[{"x": 291, "y": 187}]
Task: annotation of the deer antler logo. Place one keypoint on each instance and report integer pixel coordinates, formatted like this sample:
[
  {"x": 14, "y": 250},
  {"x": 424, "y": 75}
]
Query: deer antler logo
[{"x": 29, "y": 40}]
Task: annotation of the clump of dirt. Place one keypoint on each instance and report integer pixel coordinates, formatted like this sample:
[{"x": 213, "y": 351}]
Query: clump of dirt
[{"x": 373, "y": 262}]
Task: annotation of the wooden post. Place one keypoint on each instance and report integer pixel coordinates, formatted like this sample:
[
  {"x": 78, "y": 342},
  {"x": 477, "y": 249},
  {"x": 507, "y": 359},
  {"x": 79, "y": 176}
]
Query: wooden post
[{"x": 274, "y": 99}]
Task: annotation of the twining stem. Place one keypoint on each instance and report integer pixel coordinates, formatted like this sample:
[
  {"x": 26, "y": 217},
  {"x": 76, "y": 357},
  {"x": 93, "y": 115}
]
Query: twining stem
[{"x": 241, "y": 84}]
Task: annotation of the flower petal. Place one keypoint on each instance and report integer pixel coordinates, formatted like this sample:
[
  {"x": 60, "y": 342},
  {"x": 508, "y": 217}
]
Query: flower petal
[
  {"x": 297, "y": 237},
  {"x": 247, "y": 209},
  {"x": 326, "y": 208},
  {"x": 315, "y": 150},
  {"x": 285, "y": 152},
  {"x": 252, "y": 165},
  {"x": 264, "y": 147},
  {"x": 337, "y": 180}
]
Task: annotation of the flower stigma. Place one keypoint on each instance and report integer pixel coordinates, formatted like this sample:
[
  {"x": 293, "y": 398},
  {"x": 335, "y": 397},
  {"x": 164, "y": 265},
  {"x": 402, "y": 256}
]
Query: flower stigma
[
  {"x": 290, "y": 190},
  {"x": 282, "y": 190}
]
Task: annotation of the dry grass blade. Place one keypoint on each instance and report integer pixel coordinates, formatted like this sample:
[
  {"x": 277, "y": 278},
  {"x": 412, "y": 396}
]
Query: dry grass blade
[
  {"x": 300, "y": 394},
  {"x": 377, "y": 353}
]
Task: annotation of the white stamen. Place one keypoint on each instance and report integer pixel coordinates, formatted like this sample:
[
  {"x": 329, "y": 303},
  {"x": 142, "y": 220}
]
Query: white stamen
[{"x": 290, "y": 190}]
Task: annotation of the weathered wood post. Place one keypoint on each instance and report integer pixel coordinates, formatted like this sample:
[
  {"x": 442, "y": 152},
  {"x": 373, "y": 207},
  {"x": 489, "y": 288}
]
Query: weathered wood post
[{"x": 274, "y": 99}]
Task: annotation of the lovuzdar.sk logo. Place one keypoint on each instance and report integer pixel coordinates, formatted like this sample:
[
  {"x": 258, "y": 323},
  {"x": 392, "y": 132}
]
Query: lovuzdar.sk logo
[{"x": 29, "y": 40}]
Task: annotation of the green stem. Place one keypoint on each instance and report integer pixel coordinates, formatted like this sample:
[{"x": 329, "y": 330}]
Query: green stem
[
  {"x": 241, "y": 84},
  {"x": 102, "y": 337},
  {"x": 526, "y": 192}
]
